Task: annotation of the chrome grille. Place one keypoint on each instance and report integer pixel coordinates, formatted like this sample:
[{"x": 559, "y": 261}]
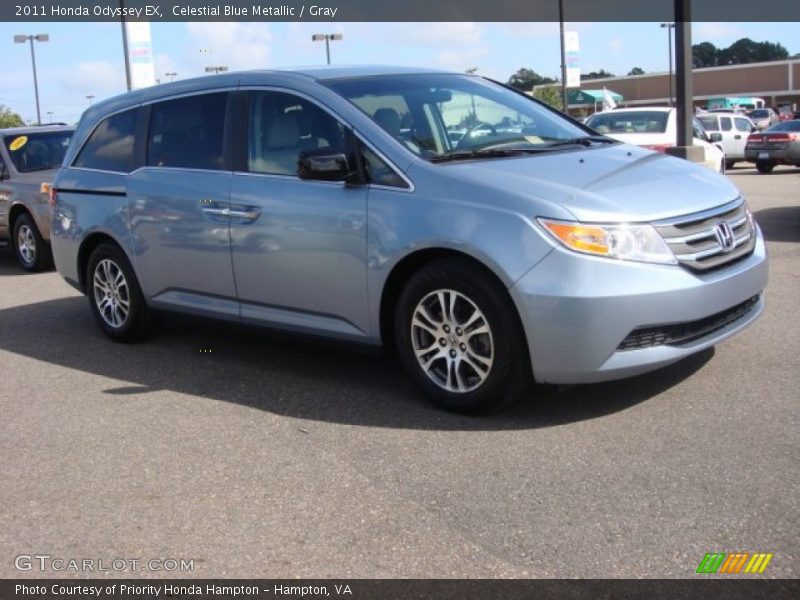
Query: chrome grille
[{"x": 697, "y": 240}]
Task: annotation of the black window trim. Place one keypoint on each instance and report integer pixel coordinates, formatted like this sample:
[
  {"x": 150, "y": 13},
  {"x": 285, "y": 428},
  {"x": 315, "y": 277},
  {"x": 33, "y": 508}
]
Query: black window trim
[{"x": 248, "y": 89}]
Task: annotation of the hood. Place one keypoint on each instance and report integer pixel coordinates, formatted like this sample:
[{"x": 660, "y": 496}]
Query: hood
[
  {"x": 616, "y": 183},
  {"x": 36, "y": 177}
]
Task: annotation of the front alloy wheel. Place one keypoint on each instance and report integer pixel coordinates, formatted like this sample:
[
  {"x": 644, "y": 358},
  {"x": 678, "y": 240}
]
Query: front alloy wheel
[
  {"x": 459, "y": 336},
  {"x": 26, "y": 244},
  {"x": 452, "y": 341}
]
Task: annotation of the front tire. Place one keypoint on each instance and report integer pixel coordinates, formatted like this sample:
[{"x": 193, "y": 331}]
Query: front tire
[
  {"x": 32, "y": 252},
  {"x": 459, "y": 337},
  {"x": 114, "y": 294},
  {"x": 765, "y": 166}
]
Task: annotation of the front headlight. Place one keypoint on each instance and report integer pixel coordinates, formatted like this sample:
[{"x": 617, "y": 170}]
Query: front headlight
[{"x": 621, "y": 241}]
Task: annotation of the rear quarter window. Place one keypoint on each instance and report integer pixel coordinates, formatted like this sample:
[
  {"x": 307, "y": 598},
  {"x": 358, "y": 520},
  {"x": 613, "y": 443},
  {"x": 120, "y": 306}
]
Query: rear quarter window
[{"x": 110, "y": 147}]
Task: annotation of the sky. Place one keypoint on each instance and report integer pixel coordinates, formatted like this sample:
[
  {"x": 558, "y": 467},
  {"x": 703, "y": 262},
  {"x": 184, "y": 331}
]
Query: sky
[{"x": 83, "y": 59}]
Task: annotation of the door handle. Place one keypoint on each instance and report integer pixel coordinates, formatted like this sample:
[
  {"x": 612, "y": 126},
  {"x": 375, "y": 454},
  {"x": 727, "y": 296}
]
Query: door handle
[
  {"x": 737, "y": 137},
  {"x": 249, "y": 215},
  {"x": 221, "y": 212}
]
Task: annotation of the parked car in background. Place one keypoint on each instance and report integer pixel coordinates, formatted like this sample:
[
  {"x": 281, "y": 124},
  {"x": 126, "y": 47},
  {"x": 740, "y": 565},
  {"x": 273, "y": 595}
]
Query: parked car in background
[
  {"x": 776, "y": 145},
  {"x": 734, "y": 129},
  {"x": 29, "y": 157},
  {"x": 763, "y": 117},
  {"x": 785, "y": 113},
  {"x": 656, "y": 128},
  {"x": 298, "y": 200}
]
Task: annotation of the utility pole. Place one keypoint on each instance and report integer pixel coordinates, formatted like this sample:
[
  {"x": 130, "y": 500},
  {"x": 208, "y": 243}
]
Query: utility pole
[
  {"x": 563, "y": 58},
  {"x": 125, "y": 45}
]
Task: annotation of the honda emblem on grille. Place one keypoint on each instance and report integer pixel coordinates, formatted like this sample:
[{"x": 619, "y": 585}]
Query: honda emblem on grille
[{"x": 724, "y": 235}]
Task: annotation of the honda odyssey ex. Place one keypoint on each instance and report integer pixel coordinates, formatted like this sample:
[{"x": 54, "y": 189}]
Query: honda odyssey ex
[{"x": 336, "y": 202}]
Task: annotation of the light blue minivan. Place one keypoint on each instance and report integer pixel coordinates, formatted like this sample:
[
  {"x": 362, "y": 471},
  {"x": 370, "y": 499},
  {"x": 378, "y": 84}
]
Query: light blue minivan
[{"x": 489, "y": 239}]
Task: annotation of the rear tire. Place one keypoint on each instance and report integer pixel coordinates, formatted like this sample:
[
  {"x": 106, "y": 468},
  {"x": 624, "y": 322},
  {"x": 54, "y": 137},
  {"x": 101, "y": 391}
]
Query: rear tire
[
  {"x": 729, "y": 164},
  {"x": 459, "y": 337},
  {"x": 32, "y": 252},
  {"x": 765, "y": 166},
  {"x": 114, "y": 295}
]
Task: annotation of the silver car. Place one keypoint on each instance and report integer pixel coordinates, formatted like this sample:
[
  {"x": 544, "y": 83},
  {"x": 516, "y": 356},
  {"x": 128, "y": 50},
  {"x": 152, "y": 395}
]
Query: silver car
[
  {"x": 333, "y": 201},
  {"x": 29, "y": 157}
]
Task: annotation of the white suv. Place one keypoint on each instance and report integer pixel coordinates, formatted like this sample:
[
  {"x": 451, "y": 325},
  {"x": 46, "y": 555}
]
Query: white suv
[{"x": 734, "y": 129}]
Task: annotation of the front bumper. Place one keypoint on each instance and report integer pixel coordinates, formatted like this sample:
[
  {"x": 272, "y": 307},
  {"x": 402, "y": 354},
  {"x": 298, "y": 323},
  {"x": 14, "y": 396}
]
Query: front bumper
[{"x": 577, "y": 310}]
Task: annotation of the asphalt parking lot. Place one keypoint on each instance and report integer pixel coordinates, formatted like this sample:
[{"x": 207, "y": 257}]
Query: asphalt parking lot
[{"x": 261, "y": 456}]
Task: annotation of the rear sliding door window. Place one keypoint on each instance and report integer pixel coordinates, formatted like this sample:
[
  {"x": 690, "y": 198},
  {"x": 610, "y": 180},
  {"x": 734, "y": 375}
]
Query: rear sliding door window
[
  {"x": 110, "y": 147},
  {"x": 188, "y": 132}
]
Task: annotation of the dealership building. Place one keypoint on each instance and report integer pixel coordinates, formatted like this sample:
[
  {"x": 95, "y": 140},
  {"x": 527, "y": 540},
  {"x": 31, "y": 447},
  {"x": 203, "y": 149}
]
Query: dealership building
[{"x": 778, "y": 83}]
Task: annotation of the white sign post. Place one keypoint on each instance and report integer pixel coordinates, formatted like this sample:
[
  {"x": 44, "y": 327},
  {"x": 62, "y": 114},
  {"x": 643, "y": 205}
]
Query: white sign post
[
  {"x": 571, "y": 48},
  {"x": 140, "y": 55}
]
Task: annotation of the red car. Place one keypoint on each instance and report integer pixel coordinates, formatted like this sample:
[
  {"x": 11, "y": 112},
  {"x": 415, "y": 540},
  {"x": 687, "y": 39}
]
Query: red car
[{"x": 776, "y": 145}]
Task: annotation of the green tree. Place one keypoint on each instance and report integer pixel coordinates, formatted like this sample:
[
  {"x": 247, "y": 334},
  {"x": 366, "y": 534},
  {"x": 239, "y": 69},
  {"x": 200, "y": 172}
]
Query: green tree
[
  {"x": 525, "y": 79},
  {"x": 746, "y": 51},
  {"x": 636, "y": 71},
  {"x": 9, "y": 119},
  {"x": 549, "y": 95},
  {"x": 742, "y": 51},
  {"x": 601, "y": 74},
  {"x": 704, "y": 55}
]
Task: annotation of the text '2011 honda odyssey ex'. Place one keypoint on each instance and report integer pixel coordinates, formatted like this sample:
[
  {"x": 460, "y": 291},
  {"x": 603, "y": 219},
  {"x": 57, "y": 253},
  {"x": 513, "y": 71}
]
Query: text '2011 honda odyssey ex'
[{"x": 488, "y": 238}]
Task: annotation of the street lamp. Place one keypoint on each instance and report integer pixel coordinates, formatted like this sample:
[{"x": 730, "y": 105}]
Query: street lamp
[
  {"x": 90, "y": 97},
  {"x": 21, "y": 39},
  {"x": 216, "y": 69},
  {"x": 171, "y": 76},
  {"x": 669, "y": 27},
  {"x": 328, "y": 38},
  {"x": 49, "y": 116}
]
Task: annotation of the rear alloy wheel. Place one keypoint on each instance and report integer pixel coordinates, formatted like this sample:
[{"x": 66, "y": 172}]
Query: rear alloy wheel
[
  {"x": 765, "y": 166},
  {"x": 33, "y": 253},
  {"x": 459, "y": 337},
  {"x": 114, "y": 295}
]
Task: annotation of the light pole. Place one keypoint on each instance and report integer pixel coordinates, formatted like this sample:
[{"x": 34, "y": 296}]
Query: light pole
[
  {"x": 328, "y": 37},
  {"x": 49, "y": 116},
  {"x": 21, "y": 39},
  {"x": 171, "y": 76},
  {"x": 216, "y": 69},
  {"x": 90, "y": 97},
  {"x": 669, "y": 27}
]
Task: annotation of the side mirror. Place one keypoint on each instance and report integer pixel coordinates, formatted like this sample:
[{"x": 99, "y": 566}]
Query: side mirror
[
  {"x": 714, "y": 137},
  {"x": 325, "y": 165}
]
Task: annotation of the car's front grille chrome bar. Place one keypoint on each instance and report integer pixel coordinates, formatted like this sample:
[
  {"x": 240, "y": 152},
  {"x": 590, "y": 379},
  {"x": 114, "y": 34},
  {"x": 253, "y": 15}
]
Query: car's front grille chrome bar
[{"x": 698, "y": 240}]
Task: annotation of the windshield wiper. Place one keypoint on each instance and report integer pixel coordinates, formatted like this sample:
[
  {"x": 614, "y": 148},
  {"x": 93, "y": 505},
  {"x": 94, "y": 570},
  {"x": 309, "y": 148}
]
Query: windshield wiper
[
  {"x": 586, "y": 140},
  {"x": 483, "y": 153}
]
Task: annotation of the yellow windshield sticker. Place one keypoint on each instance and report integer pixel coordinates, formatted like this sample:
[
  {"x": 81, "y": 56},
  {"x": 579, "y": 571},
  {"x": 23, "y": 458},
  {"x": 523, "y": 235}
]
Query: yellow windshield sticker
[
  {"x": 18, "y": 143},
  {"x": 533, "y": 139}
]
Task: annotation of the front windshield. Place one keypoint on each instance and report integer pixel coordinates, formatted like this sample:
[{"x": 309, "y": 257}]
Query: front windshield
[
  {"x": 759, "y": 114},
  {"x": 38, "y": 151},
  {"x": 441, "y": 115}
]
